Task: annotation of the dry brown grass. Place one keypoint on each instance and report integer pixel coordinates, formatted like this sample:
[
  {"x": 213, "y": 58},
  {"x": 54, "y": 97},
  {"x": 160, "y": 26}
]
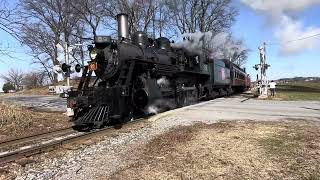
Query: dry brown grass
[
  {"x": 35, "y": 91},
  {"x": 12, "y": 114},
  {"x": 18, "y": 121},
  {"x": 232, "y": 150}
]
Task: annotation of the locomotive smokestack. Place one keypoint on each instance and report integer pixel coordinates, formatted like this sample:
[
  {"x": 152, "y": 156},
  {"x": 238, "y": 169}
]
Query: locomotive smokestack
[{"x": 123, "y": 28}]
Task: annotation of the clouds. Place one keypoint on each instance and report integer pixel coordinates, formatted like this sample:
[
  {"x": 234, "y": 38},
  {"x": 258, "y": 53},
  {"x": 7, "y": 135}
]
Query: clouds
[
  {"x": 280, "y": 6},
  {"x": 281, "y": 13},
  {"x": 290, "y": 29}
]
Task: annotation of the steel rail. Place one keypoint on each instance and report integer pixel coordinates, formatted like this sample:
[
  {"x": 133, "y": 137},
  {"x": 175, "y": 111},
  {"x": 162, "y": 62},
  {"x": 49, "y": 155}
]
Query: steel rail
[
  {"x": 27, "y": 151},
  {"x": 33, "y": 137}
]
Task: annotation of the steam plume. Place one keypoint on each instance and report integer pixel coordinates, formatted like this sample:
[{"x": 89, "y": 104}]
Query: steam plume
[{"x": 221, "y": 45}]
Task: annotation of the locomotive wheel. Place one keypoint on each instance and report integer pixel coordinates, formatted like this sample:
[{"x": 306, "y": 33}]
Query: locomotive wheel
[
  {"x": 181, "y": 99},
  {"x": 214, "y": 94},
  {"x": 229, "y": 91},
  {"x": 140, "y": 98},
  {"x": 127, "y": 118}
]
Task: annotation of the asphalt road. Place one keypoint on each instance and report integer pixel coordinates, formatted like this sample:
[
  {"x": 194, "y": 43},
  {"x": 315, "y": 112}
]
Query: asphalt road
[
  {"x": 40, "y": 102},
  {"x": 242, "y": 108}
]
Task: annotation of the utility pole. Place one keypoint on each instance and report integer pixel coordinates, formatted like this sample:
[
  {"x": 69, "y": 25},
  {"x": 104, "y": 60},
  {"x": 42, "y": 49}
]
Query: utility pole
[
  {"x": 263, "y": 86},
  {"x": 153, "y": 25},
  {"x": 66, "y": 56},
  {"x": 264, "y": 80}
]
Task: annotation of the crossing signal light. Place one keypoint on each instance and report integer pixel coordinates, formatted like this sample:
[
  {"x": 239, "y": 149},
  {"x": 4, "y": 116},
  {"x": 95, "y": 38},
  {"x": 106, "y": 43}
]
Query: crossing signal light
[
  {"x": 77, "y": 68},
  {"x": 65, "y": 67}
]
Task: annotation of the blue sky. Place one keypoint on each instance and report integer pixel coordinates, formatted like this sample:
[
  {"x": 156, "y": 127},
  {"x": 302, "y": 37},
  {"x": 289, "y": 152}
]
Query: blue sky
[
  {"x": 254, "y": 28},
  {"x": 251, "y": 26}
]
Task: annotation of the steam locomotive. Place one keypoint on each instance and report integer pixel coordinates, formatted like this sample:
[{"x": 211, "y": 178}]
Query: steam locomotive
[{"x": 141, "y": 76}]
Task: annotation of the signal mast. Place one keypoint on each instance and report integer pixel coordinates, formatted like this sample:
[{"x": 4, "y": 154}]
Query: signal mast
[{"x": 263, "y": 82}]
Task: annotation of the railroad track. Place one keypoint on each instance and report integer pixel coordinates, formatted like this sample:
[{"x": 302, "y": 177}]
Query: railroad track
[
  {"x": 15, "y": 149},
  {"x": 5, "y": 145}
]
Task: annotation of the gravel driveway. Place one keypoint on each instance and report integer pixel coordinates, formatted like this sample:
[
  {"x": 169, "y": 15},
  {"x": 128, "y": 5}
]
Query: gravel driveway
[{"x": 102, "y": 159}]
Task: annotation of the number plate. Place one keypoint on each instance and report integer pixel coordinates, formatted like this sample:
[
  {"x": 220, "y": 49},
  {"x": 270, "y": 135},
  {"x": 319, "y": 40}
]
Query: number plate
[{"x": 93, "y": 66}]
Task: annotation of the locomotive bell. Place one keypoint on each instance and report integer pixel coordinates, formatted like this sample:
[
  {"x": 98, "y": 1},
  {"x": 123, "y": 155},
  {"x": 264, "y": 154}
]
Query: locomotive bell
[
  {"x": 123, "y": 27},
  {"x": 163, "y": 43}
]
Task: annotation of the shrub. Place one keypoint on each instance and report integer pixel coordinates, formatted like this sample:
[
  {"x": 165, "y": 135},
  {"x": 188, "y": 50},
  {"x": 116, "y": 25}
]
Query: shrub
[{"x": 7, "y": 87}]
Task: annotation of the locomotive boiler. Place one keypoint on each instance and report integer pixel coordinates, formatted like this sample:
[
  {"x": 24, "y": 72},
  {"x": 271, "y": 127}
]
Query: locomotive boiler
[{"x": 137, "y": 76}]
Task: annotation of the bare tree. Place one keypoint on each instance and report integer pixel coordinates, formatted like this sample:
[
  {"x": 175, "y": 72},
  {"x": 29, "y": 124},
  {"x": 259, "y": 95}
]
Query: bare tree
[
  {"x": 240, "y": 55},
  {"x": 34, "y": 79},
  {"x": 46, "y": 66},
  {"x": 42, "y": 45},
  {"x": 14, "y": 77},
  {"x": 235, "y": 50},
  {"x": 47, "y": 23},
  {"x": 8, "y": 24},
  {"x": 6, "y": 19},
  {"x": 241, "y": 58},
  {"x": 91, "y": 14},
  {"x": 162, "y": 20},
  {"x": 190, "y": 16},
  {"x": 142, "y": 14}
]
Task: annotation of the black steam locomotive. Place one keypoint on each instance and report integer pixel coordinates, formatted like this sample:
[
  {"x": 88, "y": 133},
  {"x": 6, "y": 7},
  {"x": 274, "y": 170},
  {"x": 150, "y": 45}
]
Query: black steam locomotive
[{"x": 141, "y": 76}]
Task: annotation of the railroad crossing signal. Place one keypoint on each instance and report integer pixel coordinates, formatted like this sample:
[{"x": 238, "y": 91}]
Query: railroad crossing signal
[{"x": 263, "y": 82}]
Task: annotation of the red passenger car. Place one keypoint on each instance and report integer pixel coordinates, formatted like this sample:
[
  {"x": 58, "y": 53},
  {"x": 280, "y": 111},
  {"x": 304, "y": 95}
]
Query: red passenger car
[{"x": 239, "y": 78}]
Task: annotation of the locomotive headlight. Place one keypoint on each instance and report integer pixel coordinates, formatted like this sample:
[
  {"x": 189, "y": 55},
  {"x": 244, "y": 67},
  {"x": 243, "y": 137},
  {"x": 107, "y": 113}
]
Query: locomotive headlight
[{"x": 93, "y": 54}]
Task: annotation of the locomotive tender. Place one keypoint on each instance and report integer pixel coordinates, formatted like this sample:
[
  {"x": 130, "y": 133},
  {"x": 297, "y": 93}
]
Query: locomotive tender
[{"x": 140, "y": 76}]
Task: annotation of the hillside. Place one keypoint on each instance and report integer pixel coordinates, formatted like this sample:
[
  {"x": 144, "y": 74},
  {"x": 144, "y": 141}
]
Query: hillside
[{"x": 299, "y": 79}]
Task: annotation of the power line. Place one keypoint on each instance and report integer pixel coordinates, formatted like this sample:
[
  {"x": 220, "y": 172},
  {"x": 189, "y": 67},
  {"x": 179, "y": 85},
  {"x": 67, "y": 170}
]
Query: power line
[{"x": 294, "y": 40}]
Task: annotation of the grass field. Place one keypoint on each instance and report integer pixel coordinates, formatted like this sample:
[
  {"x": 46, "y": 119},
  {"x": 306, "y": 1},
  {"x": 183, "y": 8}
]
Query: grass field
[
  {"x": 298, "y": 91},
  {"x": 231, "y": 150}
]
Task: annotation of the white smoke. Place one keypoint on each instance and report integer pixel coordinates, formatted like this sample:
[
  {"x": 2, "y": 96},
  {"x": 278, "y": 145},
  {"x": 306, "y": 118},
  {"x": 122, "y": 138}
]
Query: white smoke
[
  {"x": 153, "y": 110},
  {"x": 280, "y": 12},
  {"x": 163, "y": 82},
  {"x": 193, "y": 42},
  {"x": 221, "y": 45},
  {"x": 160, "y": 105}
]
